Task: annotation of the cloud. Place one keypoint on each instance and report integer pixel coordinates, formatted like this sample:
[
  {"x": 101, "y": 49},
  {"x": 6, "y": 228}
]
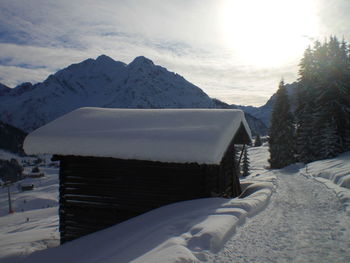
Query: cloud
[
  {"x": 39, "y": 37},
  {"x": 9, "y": 75},
  {"x": 335, "y": 17}
]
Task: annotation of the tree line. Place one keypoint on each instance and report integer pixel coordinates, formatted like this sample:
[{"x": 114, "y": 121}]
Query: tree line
[{"x": 319, "y": 126}]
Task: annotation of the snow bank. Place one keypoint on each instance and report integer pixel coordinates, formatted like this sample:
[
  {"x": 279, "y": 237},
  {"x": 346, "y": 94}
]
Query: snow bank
[
  {"x": 176, "y": 135},
  {"x": 259, "y": 156},
  {"x": 180, "y": 232},
  {"x": 335, "y": 174}
]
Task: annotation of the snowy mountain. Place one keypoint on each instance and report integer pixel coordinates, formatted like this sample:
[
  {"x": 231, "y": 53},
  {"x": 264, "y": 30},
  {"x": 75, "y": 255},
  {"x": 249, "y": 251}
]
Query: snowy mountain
[
  {"x": 263, "y": 113},
  {"x": 4, "y": 89},
  {"x": 101, "y": 82},
  {"x": 104, "y": 83},
  {"x": 256, "y": 125}
]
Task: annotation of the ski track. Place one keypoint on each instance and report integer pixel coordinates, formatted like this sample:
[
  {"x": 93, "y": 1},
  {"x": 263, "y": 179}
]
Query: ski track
[{"x": 304, "y": 222}]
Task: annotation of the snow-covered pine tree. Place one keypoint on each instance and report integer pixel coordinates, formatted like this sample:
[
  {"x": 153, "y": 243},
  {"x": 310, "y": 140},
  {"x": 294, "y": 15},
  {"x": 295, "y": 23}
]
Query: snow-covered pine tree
[
  {"x": 246, "y": 163},
  {"x": 281, "y": 131},
  {"x": 257, "y": 141}
]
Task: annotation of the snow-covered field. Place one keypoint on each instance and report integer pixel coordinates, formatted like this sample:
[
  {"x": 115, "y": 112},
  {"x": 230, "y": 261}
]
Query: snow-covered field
[
  {"x": 284, "y": 216},
  {"x": 34, "y": 224}
]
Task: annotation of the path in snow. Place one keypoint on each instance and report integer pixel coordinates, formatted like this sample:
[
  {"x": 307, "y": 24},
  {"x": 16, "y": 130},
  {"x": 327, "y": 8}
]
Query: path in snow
[{"x": 304, "y": 222}]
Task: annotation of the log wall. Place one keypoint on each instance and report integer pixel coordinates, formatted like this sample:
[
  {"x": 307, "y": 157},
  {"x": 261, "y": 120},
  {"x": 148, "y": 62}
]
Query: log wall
[{"x": 96, "y": 193}]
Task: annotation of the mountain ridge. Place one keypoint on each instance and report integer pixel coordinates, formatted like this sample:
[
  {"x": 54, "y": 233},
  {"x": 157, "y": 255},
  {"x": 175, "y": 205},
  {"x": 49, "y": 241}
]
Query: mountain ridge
[
  {"x": 263, "y": 112},
  {"x": 100, "y": 82}
]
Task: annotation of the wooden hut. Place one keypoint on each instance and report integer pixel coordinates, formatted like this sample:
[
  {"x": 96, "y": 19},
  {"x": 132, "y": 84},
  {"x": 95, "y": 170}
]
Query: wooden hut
[{"x": 118, "y": 163}]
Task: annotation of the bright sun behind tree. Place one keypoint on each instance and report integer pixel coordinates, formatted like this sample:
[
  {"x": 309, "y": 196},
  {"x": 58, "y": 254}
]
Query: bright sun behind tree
[{"x": 268, "y": 33}]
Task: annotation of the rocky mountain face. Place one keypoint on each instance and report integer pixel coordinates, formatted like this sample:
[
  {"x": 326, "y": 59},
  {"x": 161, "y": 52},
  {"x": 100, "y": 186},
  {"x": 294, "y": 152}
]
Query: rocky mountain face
[{"x": 101, "y": 82}]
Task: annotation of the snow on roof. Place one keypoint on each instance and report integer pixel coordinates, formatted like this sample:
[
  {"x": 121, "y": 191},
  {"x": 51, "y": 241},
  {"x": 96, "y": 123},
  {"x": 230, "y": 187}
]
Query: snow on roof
[{"x": 166, "y": 135}]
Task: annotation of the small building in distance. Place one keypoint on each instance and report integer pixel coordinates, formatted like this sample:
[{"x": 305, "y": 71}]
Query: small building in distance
[{"x": 118, "y": 163}]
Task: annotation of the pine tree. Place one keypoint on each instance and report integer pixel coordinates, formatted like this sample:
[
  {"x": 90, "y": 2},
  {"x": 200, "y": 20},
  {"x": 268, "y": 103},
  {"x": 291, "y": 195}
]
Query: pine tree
[
  {"x": 306, "y": 144},
  {"x": 257, "y": 142},
  {"x": 305, "y": 140},
  {"x": 329, "y": 141},
  {"x": 246, "y": 163},
  {"x": 328, "y": 123},
  {"x": 281, "y": 132},
  {"x": 344, "y": 68},
  {"x": 323, "y": 110}
]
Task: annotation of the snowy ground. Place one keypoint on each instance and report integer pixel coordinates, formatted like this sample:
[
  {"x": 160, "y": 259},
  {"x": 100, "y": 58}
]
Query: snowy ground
[
  {"x": 304, "y": 219},
  {"x": 34, "y": 224},
  {"x": 304, "y": 222}
]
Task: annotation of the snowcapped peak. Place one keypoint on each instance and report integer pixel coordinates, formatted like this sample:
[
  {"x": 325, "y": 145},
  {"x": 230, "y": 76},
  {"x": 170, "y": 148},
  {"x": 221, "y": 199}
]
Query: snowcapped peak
[
  {"x": 140, "y": 61},
  {"x": 101, "y": 82},
  {"x": 104, "y": 59}
]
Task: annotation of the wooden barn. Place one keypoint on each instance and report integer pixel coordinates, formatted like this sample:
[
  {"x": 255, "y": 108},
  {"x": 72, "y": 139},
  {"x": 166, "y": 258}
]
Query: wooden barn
[{"x": 118, "y": 163}]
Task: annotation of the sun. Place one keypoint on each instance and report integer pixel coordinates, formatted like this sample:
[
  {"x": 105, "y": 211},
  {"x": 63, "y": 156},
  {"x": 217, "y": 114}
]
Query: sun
[{"x": 268, "y": 33}]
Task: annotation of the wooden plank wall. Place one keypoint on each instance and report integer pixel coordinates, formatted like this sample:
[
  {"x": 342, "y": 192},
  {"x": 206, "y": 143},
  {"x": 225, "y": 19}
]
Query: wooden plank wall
[{"x": 98, "y": 192}]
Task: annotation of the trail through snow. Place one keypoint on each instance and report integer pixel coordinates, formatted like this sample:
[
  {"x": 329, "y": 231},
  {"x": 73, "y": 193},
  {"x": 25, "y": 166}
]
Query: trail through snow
[{"x": 304, "y": 222}]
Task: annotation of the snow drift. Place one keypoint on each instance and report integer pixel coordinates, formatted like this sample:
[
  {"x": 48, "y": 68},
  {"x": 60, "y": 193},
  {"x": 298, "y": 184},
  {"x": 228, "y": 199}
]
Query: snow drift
[
  {"x": 335, "y": 174},
  {"x": 180, "y": 231}
]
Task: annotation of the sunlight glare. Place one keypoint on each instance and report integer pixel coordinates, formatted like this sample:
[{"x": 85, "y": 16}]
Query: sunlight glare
[{"x": 268, "y": 33}]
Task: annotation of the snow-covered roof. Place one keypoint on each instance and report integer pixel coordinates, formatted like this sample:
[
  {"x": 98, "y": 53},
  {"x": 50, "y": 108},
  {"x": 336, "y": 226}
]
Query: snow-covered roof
[{"x": 165, "y": 135}]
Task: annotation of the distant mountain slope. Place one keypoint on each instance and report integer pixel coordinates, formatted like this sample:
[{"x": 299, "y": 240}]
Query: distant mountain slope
[
  {"x": 264, "y": 112},
  {"x": 4, "y": 89},
  {"x": 255, "y": 124},
  {"x": 11, "y": 138},
  {"x": 104, "y": 82}
]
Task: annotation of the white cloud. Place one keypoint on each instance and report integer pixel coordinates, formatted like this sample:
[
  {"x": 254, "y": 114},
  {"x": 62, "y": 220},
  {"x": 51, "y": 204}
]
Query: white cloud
[
  {"x": 38, "y": 37},
  {"x": 9, "y": 75}
]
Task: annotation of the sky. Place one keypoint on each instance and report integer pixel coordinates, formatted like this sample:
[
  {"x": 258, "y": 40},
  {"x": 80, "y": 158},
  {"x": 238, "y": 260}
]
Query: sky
[{"x": 235, "y": 50}]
